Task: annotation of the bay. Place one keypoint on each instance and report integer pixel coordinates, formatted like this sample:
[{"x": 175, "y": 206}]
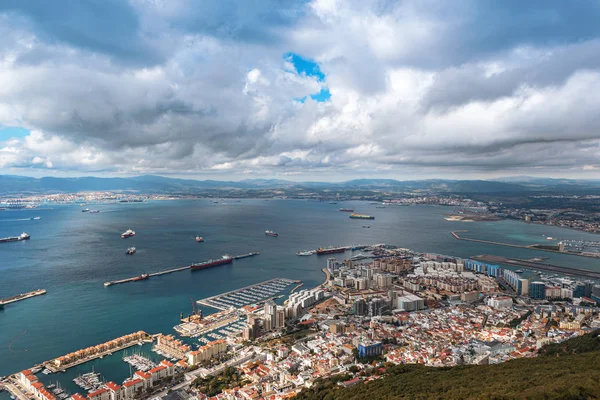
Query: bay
[{"x": 71, "y": 254}]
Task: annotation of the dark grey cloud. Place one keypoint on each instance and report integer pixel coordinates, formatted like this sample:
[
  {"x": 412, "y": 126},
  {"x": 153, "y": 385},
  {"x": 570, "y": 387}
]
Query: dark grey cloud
[{"x": 105, "y": 26}]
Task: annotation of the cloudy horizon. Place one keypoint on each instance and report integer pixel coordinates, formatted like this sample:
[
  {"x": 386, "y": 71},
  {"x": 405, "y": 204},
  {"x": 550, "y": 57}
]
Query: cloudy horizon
[{"x": 323, "y": 90}]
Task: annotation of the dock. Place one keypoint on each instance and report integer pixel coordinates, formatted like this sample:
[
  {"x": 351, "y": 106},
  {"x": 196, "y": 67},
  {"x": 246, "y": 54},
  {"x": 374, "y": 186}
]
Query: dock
[
  {"x": 538, "y": 247},
  {"x": 22, "y": 296},
  {"x": 251, "y": 294},
  {"x": 168, "y": 271},
  {"x": 537, "y": 266}
]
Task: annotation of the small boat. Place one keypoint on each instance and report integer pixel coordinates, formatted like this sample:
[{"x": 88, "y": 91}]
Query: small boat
[
  {"x": 306, "y": 253},
  {"x": 271, "y": 233},
  {"x": 199, "y": 239},
  {"x": 35, "y": 218},
  {"x": 127, "y": 234},
  {"x": 131, "y": 251},
  {"x": 85, "y": 210},
  {"x": 366, "y": 226},
  {"x": 94, "y": 211}
]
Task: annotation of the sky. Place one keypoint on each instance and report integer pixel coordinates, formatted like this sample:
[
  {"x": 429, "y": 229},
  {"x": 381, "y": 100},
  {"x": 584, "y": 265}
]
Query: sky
[{"x": 300, "y": 89}]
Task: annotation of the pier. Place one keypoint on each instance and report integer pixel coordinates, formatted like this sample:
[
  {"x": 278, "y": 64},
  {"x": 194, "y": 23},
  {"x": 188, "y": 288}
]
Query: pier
[
  {"x": 169, "y": 271},
  {"x": 296, "y": 287},
  {"x": 254, "y": 253},
  {"x": 538, "y": 247},
  {"x": 537, "y": 266},
  {"x": 247, "y": 295},
  {"x": 22, "y": 296}
]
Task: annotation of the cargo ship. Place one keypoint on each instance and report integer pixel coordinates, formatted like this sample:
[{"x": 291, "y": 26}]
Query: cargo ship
[
  {"x": 22, "y": 236},
  {"x": 131, "y": 250},
  {"x": 330, "y": 250},
  {"x": 140, "y": 278},
  {"x": 346, "y": 210},
  {"x": 271, "y": 233},
  {"x": 361, "y": 216},
  {"x": 211, "y": 263},
  {"x": 199, "y": 239},
  {"x": 127, "y": 234}
]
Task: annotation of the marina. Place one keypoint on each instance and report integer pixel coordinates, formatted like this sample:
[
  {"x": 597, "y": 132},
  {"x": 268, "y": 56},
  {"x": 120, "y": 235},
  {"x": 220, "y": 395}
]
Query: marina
[
  {"x": 139, "y": 362},
  {"x": 248, "y": 295},
  {"x": 89, "y": 381}
]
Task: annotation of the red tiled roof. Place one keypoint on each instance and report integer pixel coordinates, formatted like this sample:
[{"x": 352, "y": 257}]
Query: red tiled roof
[
  {"x": 133, "y": 382},
  {"x": 143, "y": 374},
  {"x": 97, "y": 393},
  {"x": 159, "y": 368},
  {"x": 113, "y": 386},
  {"x": 26, "y": 372},
  {"x": 77, "y": 396}
]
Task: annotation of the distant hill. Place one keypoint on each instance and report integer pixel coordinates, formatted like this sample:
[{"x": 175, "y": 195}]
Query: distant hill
[
  {"x": 566, "y": 371},
  {"x": 11, "y": 184}
]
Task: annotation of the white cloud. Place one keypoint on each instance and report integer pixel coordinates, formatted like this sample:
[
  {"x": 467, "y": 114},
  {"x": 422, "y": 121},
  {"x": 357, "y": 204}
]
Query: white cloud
[{"x": 412, "y": 89}]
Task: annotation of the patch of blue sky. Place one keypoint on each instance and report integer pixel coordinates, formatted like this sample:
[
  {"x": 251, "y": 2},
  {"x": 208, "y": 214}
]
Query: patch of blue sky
[
  {"x": 305, "y": 66},
  {"x": 9, "y": 132},
  {"x": 322, "y": 96}
]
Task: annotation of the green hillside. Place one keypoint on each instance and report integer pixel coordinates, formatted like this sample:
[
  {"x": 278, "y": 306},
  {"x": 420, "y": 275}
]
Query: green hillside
[{"x": 570, "y": 370}]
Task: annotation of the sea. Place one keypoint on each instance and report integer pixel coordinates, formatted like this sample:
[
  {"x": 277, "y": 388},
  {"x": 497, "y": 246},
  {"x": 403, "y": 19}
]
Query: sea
[{"x": 72, "y": 253}]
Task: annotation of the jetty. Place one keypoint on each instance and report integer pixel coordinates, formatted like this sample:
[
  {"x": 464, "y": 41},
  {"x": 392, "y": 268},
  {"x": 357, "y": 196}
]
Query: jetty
[
  {"x": 254, "y": 253},
  {"x": 168, "y": 271},
  {"x": 517, "y": 262},
  {"x": 21, "y": 296},
  {"x": 538, "y": 247}
]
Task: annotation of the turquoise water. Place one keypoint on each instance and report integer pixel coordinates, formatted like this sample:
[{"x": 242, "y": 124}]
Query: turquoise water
[{"x": 72, "y": 253}]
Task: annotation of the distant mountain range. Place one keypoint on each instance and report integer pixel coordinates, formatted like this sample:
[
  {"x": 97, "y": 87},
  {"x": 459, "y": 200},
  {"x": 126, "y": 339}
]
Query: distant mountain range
[{"x": 12, "y": 184}]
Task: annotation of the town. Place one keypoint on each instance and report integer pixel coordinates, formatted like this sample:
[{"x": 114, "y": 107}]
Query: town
[{"x": 396, "y": 306}]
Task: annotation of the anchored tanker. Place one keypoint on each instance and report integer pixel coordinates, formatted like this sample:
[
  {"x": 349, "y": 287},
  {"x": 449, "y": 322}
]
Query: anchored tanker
[
  {"x": 22, "y": 236},
  {"x": 212, "y": 263},
  {"x": 330, "y": 250},
  {"x": 361, "y": 216}
]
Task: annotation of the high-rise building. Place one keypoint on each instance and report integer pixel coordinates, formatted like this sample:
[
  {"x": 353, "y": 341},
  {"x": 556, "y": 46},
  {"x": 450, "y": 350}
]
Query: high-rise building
[
  {"x": 270, "y": 311},
  {"x": 410, "y": 302},
  {"x": 280, "y": 318},
  {"x": 360, "y": 307},
  {"x": 378, "y": 307},
  {"x": 537, "y": 290},
  {"x": 384, "y": 280},
  {"x": 252, "y": 328}
]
